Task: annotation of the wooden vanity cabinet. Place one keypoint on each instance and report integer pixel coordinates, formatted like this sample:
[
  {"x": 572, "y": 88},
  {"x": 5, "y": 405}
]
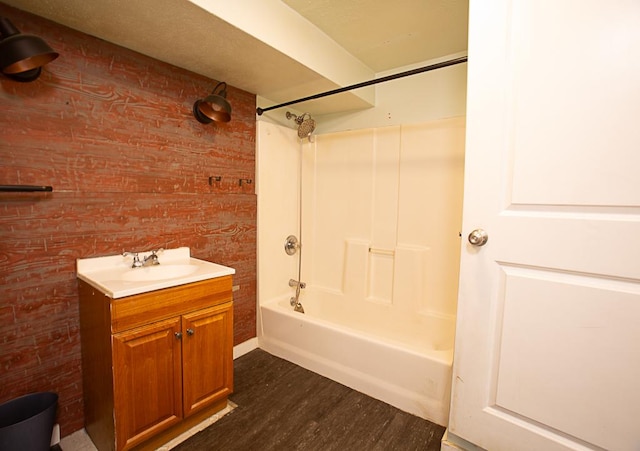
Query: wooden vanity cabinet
[{"x": 155, "y": 364}]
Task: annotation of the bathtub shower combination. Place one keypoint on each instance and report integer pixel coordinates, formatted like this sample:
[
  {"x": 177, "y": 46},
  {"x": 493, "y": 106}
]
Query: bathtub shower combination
[{"x": 367, "y": 297}]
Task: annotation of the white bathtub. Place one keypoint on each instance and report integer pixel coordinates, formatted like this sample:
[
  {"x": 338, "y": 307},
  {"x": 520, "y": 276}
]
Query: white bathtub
[{"x": 401, "y": 359}]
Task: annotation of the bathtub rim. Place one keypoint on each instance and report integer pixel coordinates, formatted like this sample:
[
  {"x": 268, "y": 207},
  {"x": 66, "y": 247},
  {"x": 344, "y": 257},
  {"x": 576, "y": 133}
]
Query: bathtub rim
[{"x": 442, "y": 356}]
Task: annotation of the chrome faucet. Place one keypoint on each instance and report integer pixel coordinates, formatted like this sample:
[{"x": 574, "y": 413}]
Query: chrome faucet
[{"x": 151, "y": 259}]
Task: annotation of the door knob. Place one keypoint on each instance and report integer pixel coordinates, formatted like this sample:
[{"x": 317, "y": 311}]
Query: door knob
[
  {"x": 190, "y": 332},
  {"x": 478, "y": 237},
  {"x": 178, "y": 335}
]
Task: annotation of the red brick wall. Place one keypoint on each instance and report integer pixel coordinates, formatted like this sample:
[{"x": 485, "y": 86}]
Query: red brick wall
[{"x": 112, "y": 131}]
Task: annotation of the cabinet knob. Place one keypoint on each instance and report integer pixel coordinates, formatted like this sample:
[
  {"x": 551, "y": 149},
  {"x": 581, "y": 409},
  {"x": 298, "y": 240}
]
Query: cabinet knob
[
  {"x": 178, "y": 335},
  {"x": 190, "y": 332}
]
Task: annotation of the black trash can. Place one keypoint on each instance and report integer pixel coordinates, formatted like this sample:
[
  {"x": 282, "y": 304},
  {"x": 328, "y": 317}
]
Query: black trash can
[{"x": 26, "y": 423}]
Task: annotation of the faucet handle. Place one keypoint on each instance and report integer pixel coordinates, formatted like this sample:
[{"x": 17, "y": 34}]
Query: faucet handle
[
  {"x": 136, "y": 260},
  {"x": 154, "y": 256}
]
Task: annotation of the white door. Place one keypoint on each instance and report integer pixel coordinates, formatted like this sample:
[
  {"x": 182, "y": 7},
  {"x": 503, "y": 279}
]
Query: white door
[{"x": 547, "y": 350}]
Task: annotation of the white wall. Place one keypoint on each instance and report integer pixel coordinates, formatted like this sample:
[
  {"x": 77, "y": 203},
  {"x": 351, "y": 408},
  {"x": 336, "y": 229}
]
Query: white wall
[{"x": 414, "y": 99}]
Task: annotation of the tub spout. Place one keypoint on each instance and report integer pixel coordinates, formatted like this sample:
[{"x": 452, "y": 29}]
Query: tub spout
[
  {"x": 297, "y": 306},
  {"x": 295, "y": 300}
]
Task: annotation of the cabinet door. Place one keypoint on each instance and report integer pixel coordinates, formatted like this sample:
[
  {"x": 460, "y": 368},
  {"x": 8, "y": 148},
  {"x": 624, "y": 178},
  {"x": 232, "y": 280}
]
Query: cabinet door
[
  {"x": 207, "y": 356},
  {"x": 147, "y": 381}
]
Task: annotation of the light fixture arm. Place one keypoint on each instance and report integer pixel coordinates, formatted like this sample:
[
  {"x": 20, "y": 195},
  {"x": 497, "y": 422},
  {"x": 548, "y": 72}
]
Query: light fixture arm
[
  {"x": 7, "y": 28},
  {"x": 223, "y": 91}
]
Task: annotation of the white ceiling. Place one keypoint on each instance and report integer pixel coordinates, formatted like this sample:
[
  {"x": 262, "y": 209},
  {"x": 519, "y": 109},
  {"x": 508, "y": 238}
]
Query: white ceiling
[
  {"x": 280, "y": 50},
  {"x": 387, "y": 34}
]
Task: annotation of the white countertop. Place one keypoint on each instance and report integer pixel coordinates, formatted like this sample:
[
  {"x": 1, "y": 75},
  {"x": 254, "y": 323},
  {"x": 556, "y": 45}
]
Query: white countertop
[{"x": 112, "y": 274}]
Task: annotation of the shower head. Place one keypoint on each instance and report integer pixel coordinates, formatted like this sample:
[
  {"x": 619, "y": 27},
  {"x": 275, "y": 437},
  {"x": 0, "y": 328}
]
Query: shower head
[{"x": 305, "y": 126}]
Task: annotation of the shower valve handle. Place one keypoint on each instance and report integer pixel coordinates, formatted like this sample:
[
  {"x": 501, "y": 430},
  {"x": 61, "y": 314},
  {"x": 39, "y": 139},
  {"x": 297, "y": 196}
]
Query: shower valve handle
[
  {"x": 295, "y": 283},
  {"x": 291, "y": 245}
]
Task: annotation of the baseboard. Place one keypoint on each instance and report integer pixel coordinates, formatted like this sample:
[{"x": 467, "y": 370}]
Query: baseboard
[
  {"x": 451, "y": 442},
  {"x": 245, "y": 347}
]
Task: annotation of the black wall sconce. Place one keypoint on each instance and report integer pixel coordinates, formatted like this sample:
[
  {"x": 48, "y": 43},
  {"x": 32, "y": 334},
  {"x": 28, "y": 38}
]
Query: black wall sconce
[
  {"x": 214, "y": 107},
  {"x": 22, "y": 55}
]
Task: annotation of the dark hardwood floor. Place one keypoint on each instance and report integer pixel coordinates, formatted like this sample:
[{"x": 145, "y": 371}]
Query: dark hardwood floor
[{"x": 281, "y": 406}]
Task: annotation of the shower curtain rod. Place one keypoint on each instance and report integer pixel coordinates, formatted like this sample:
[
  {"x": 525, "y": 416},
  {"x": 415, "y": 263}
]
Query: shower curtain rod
[{"x": 462, "y": 59}]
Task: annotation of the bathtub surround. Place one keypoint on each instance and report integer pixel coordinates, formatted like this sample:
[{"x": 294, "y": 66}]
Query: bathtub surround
[
  {"x": 113, "y": 132},
  {"x": 380, "y": 225},
  {"x": 381, "y": 215}
]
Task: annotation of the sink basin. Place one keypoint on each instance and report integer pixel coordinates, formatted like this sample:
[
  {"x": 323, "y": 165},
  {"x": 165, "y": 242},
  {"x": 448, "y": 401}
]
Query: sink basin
[
  {"x": 158, "y": 272},
  {"x": 114, "y": 276}
]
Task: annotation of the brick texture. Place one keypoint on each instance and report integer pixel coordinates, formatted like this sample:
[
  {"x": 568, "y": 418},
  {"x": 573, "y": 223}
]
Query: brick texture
[{"x": 112, "y": 131}]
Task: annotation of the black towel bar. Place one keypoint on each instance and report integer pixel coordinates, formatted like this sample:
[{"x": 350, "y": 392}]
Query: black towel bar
[{"x": 24, "y": 188}]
